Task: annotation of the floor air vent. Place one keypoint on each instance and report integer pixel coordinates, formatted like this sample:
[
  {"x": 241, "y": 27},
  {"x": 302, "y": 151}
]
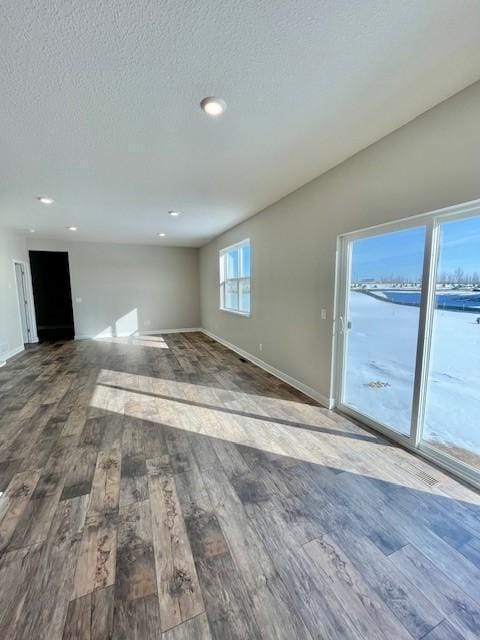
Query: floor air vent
[{"x": 416, "y": 471}]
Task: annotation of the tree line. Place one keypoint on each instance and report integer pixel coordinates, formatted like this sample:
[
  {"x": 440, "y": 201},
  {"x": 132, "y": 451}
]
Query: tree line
[
  {"x": 459, "y": 276},
  {"x": 456, "y": 277}
]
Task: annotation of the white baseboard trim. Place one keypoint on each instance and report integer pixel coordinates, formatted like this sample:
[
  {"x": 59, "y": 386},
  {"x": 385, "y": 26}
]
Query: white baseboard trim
[
  {"x": 308, "y": 391},
  {"x": 9, "y": 354},
  {"x": 151, "y": 332}
]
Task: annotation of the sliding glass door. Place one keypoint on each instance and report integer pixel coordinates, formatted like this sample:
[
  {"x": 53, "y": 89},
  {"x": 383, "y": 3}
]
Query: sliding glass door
[
  {"x": 382, "y": 317},
  {"x": 452, "y": 406},
  {"x": 408, "y": 334}
]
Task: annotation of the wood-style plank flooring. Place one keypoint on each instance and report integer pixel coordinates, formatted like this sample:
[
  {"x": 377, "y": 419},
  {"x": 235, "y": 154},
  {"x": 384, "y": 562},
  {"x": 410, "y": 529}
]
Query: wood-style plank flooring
[{"x": 163, "y": 488}]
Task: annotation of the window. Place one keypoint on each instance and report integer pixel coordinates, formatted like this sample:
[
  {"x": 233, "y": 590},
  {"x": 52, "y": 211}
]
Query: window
[{"x": 235, "y": 278}]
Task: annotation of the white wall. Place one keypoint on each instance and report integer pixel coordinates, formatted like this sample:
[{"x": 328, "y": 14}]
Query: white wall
[
  {"x": 125, "y": 288},
  {"x": 12, "y": 247},
  {"x": 432, "y": 162}
]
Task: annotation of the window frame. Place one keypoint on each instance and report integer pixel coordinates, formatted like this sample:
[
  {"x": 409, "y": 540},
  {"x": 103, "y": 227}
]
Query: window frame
[{"x": 223, "y": 277}]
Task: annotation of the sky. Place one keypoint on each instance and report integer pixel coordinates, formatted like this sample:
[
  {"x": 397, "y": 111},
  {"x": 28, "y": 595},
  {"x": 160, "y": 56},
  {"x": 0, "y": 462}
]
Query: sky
[
  {"x": 238, "y": 262},
  {"x": 460, "y": 245},
  {"x": 401, "y": 253}
]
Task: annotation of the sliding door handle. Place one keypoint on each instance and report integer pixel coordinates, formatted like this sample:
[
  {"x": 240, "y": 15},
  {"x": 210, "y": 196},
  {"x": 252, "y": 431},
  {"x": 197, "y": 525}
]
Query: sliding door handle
[{"x": 344, "y": 326}]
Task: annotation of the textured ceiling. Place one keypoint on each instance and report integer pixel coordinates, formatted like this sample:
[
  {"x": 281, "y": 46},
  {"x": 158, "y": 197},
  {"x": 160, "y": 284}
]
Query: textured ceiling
[{"x": 99, "y": 103}]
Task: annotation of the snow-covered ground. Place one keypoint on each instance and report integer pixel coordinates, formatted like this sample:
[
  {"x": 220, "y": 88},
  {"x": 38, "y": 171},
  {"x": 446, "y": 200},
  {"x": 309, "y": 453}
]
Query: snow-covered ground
[{"x": 380, "y": 368}]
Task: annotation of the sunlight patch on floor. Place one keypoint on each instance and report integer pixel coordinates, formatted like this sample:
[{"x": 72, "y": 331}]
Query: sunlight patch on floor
[
  {"x": 137, "y": 341},
  {"x": 328, "y": 449},
  {"x": 335, "y": 444},
  {"x": 260, "y": 404}
]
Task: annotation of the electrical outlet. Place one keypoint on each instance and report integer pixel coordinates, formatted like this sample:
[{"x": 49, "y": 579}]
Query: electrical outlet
[
  {"x": 146, "y": 323},
  {"x": 323, "y": 314}
]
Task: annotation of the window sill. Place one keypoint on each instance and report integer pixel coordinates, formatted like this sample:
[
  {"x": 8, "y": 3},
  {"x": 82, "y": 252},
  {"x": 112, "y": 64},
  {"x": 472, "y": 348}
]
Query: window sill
[{"x": 244, "y": 314}]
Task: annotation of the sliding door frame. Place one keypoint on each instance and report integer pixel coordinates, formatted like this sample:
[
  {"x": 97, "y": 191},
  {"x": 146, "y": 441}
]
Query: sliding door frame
[{"x": 431, "y": 221}]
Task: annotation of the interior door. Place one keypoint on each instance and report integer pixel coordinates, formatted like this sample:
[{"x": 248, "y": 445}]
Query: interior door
[{"x": 379, "y": 322}]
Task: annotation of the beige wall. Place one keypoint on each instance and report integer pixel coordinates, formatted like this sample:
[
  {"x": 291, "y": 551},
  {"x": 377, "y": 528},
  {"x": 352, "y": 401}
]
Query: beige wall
[
  {"x": 12, "y": 247},
  {"x": 124, "y": 288},
  {"x": 430, "y": 163}
]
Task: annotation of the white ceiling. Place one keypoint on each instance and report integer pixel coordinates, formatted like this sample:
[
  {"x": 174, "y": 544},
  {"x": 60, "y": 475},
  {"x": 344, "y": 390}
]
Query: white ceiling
[{"x": 99, "y": 104}]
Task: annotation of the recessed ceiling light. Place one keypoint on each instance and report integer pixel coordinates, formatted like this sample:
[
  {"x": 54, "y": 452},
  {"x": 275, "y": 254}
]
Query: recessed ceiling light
[
  {"x": 32, "y": 230},
  {"x": 174, "y": 213},
  {"x": 162, "y": 235},
  {"x": 72, "y": 228},
  {"x": 45, "y": 200},
  {"x": 213, "y": 106}
]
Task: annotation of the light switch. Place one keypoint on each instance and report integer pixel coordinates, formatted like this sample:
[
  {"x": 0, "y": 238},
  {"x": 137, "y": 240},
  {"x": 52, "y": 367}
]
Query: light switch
[
  {"x": 323, "y": 314},
  {"x": 78, "y": 300}
]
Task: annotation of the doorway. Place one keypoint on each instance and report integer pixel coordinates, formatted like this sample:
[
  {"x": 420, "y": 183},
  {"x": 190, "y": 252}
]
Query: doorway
[
  {"x": 52, "y": 295},
  {"x": 408, "y": 339}
]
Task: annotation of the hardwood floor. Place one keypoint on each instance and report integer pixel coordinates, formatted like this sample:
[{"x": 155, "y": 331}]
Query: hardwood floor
[{"x": 163, "y": 488}]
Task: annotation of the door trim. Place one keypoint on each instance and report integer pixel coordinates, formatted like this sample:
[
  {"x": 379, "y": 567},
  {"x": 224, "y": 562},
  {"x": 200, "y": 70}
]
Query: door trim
[
  {"x": 424, "y": 335},
  {"x": 30, "y": 312}
]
